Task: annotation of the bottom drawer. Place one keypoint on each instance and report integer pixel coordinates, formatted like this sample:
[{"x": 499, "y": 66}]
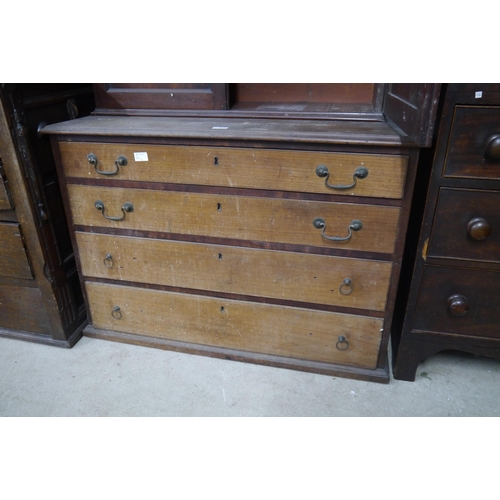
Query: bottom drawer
[
  {"x": 458, "y": 301},
  {"x": 252, "y": 327}
]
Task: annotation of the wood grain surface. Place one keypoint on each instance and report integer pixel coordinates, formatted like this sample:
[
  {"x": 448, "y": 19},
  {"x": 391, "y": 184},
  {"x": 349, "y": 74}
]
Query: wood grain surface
[
  {"x": 263, "y": 273},
  {"x": 4, "y": 198},
  {"x": 342, "y": 132},
  {"x": 466, "y": 156},
  {"x": 239, "y": 168},
  {"x": 20, "y": 309},
  {"x": 455, "y": 209},
  {"x": 269, "y": 329},
  {"x": 13, "y": 259},
  {"x": 238, "y": 217}
]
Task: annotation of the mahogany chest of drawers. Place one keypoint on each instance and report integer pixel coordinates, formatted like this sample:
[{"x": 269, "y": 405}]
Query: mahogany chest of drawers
[
  {"x": 453, "y": 295},
  {"x": 270, "y": 241}
]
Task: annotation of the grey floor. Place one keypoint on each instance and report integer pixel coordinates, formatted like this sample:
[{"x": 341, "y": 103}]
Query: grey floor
[{"x": 105, "y": 379}]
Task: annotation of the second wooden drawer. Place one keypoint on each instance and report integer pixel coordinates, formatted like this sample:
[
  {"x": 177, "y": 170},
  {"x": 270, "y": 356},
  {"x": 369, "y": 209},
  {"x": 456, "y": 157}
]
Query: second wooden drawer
[{"x": 236, "y": 217}]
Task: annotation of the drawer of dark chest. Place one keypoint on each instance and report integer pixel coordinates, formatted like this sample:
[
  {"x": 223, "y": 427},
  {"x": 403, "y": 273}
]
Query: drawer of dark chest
[
  {"x": 466, "y": 225},
  {"x": 13, "y": 259},
  {"x": 462, "y": 302},
  {"x": 474, "y": 145}
]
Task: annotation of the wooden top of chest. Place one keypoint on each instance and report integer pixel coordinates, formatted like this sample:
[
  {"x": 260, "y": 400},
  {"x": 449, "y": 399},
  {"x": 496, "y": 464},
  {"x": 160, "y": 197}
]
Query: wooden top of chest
[{"x": 366, "y": 133}]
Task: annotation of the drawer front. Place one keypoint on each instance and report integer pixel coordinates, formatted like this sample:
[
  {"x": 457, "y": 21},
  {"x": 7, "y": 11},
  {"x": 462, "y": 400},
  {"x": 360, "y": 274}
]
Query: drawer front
[
  {"x": 237, "y": 217},
  {"x": 263, "y": 273},
  {"x": 13, "y": 260},
  {"x": 466, "y": 225},
  {"x": 267, "y": 329},
  {"x": 474, "y": 147},
  {"x": 239, "y": 168},
  {"x": 21, "y": 308},
  {"x": 463, "y": 302}
]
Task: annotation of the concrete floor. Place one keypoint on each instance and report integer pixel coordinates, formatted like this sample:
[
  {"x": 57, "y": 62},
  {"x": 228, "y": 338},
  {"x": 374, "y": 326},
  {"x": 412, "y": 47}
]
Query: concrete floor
[{"x": 105, "y": 379}]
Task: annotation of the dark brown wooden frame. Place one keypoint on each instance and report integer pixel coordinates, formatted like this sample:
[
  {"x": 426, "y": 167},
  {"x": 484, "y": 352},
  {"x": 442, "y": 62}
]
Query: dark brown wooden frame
[{"x": 410, "y": 346}]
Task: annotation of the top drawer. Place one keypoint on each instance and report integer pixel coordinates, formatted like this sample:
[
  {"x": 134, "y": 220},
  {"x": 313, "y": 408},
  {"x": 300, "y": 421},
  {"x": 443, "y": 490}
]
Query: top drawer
[
  {"x": 340, "y": 173},
  {"x": 474, "y": 147}
]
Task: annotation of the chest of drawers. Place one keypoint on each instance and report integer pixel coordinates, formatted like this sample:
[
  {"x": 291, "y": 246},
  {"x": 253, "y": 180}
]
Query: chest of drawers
[
  {"x": 269, "y": 241},
  {"x": 453, "y": 298}
]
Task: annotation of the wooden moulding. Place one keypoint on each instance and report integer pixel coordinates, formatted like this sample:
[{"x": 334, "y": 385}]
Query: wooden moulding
[
  {"x": 379, "y": 375},
  {"x": 360, "y": 133}
]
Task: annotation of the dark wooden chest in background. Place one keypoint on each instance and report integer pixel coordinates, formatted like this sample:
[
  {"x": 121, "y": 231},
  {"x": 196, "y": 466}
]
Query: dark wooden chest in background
[
  {"x": 40, "y": 292},
  {"x": 450, "y": 299}
]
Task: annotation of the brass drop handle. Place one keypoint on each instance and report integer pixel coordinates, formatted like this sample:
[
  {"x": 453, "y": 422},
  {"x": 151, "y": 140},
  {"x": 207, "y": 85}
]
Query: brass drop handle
[
  {"x": 342, "y": 343},
  {"x": 478, "y": 228},
  {"x": 458, "y": 305},
  {"x": 127, "y": 207},
  {"x": 121, "y": 161},
  {"x": 355, "y": 225},
  {"x": 492, "y": 148},
  {"x": 359, "y": 173}
]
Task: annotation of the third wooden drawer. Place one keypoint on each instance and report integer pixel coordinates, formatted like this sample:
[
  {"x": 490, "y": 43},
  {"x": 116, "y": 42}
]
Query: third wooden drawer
[
  {"x": 458, "y": 301},
  {"x": 309, "y": 278}
]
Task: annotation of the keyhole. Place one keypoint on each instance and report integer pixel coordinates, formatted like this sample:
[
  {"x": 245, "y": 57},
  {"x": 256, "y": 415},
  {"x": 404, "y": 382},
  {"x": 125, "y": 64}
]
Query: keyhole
[
  {"x": 216, "y": 161},
  {"x": 222, "y": 309},
  {"x": 219, "y": 207},
  {"x": 220, "y": 256}
]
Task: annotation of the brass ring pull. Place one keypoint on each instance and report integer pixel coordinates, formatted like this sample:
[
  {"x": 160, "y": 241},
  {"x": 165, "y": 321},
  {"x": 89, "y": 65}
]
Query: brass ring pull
[
  {"x": 346, "y": 287},
  {"x": 342, "y": 342},
  {"x": 319, "y": 223},
  {"x": 116, "y": 312},
  {"x": 108, "y": 261},
  {"x": 121, "y": 161},
  {"x": 359, "y": 173},
  {"x": 127, "y": 207}
]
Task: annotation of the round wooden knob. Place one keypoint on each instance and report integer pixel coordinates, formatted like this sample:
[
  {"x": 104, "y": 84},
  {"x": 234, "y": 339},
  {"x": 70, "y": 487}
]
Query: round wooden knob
[
  {"x": 458, "y": 305},
  {"x": 478, "y": 228},
  {"x": 492, "y": 148}
]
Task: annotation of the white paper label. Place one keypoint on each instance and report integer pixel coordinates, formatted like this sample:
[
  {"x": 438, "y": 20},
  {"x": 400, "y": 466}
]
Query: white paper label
[
  {"x": 141, "y": 157},
  {"x": 479, "y": 94}
]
